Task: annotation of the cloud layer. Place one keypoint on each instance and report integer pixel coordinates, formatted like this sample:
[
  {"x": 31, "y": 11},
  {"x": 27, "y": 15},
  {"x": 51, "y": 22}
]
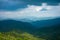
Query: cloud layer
[
  {"x": 16, "y": 4},
  {"x": 32, "y": 12}
]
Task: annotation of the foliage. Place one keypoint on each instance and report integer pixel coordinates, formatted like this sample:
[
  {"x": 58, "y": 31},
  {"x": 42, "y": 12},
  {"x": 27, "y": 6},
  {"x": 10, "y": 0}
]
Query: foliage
[{"x": 13, "y": 35}]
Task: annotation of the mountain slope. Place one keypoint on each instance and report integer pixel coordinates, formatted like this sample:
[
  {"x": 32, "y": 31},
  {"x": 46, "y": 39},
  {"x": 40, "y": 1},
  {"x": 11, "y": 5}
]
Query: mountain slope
[
  {"x": 46, "y": 29},
  {"x": 49, "y": 33},
  {"x": 44, "y": 23},
  {"x": 8, "y": 25},
  {"x": 17, "y": 35}
]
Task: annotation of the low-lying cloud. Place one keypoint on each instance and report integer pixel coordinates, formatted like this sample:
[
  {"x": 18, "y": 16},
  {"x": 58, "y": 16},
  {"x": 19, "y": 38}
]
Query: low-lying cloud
[{"x": 32, "y": 12}]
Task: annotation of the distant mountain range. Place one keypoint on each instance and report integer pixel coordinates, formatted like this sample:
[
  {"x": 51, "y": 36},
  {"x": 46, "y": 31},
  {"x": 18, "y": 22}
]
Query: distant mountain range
[
  {"x": 48, "y": 29},
  {"x": 8, "y": 25},
  {"x": 46, "y": 23},
  {"x": 49, "y": 32},
  {"x": 12, "y": 24}
]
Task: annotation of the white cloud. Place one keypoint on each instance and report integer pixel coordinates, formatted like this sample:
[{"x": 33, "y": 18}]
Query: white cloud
[{"x": 31, "y": 13}]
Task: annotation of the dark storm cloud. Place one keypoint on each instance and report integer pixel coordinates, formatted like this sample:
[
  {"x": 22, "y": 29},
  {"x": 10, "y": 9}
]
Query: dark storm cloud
[{"x": 16, "y": 4}]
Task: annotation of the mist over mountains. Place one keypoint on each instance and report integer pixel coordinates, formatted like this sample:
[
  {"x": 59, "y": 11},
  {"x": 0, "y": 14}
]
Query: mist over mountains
[
  {"x": 47, "y": 29},
  {"x": 29, "y": 19},
  {"x": 12, "y": 24}
]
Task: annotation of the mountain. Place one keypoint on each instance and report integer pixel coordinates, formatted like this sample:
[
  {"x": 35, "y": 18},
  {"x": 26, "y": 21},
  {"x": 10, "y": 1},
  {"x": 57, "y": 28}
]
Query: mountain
[
  {"x": 46, "y": 23},
  {"x": 7, "y": 25},
  {"x": 18, "y": 35},
  {"x": 46, "y": 29},
  {"x": 16, "y": 30},
  {"x": 49, "y": 33}
]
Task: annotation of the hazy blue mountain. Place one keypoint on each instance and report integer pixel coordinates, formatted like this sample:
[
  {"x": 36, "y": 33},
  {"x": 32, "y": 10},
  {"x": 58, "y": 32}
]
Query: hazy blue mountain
[
  {"x": 46, "y": 23},
  {"x": 48, "y": 29},
  {"x": 49, "y": 33},
  {"x": 7, "y": 25},
  {"x": 12, "y": 24}
]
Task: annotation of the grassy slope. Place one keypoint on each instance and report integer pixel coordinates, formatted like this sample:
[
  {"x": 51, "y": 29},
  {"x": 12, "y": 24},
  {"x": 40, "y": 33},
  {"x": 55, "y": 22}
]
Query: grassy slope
[{"x": 14, "y": 35}]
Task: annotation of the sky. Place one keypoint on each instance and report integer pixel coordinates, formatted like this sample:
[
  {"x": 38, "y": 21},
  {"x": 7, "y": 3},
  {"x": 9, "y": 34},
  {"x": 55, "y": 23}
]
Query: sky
[{"x": 26, "y": 10}]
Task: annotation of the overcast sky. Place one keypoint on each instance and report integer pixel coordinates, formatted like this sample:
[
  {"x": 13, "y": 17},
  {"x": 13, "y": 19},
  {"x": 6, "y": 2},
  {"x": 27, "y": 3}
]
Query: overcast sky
[{"x": 29, "y": 9}]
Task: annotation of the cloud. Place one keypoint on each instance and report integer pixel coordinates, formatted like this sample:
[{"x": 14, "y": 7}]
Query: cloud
[
  {"x": 16, "y": 4},
  {"x": 31, "y": 13},
  {"x": 12, "y": 4}
]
